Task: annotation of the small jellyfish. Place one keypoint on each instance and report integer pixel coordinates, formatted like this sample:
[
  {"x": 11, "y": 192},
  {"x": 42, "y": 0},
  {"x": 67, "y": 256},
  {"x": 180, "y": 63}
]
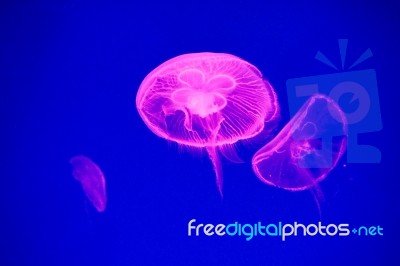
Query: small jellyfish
[
  {"x": 92, "y": 180},
  {"x": 206, "y": 100},
  {"x": 306, "y": 149}
]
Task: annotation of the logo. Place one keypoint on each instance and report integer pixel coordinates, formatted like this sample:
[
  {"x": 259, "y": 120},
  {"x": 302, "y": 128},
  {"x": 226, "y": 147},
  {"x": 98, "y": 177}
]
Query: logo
[
  {"x": 281, "y": 230},
  {"x": 356, "y": 93}
]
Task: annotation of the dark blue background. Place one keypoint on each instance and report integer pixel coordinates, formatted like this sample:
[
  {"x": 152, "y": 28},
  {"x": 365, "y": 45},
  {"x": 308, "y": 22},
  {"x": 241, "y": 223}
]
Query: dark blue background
[{"x": 69, "y": 76}]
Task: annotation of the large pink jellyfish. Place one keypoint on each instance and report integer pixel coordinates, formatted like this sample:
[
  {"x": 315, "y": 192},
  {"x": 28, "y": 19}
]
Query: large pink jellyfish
[
  {"x": 92, "y": 180},
  {"x": 306, "y": 149},
  {"x": 206, "y": 100}
]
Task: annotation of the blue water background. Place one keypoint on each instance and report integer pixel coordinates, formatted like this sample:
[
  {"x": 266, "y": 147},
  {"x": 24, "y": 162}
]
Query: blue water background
[{"x": 69, "y": 75}]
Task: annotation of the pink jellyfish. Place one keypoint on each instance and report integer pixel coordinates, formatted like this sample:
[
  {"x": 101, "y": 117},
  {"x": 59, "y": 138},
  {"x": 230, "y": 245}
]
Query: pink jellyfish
[
  {"x": 92, "y": 180},
  {"x": 306, "y": 149},
  {"x": 206, "y": 100}
]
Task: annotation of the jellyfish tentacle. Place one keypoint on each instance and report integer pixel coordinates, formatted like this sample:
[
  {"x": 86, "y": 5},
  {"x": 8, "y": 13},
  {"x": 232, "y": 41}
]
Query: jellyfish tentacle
[{"x": 230, "y": 153}]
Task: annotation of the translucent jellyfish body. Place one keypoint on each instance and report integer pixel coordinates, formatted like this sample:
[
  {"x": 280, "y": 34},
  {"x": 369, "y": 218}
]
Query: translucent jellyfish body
[
  {"x": 92, "y": 180},
  {"x": 206, "y": 100},
  {"x": 306, "y": 149}
]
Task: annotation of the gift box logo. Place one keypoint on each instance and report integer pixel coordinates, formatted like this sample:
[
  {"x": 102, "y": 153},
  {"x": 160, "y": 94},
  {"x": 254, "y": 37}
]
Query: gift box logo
[{"x": 356, "y": 92}]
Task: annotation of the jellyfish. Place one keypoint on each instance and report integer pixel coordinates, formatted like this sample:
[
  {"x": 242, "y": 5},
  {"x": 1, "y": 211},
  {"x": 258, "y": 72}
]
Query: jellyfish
[
  {"x": 92, "y": 180},
  {"x": 208, "y": 101},
  {"x": 306, "y": 149}
]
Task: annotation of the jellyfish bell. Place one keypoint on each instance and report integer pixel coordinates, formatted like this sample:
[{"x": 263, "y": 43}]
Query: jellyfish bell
[
  {"x": 206, "y": 100},
  {"x": 92, "y": 180},
  {"x": 204, "y": 92},
  {"x": 306, "y": 149}
]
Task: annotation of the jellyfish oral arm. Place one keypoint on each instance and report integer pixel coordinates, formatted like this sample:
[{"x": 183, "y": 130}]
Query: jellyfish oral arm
[{"x": 213, "y": 153}]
